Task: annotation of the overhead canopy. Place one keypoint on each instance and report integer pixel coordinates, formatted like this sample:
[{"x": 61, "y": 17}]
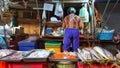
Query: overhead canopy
[{"x": 106, "y": 1}]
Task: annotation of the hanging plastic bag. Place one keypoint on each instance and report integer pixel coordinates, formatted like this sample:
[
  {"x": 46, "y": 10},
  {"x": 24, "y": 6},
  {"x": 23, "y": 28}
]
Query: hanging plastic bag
[
  {"x": 44, "y": 14},
  {"x": 6, "y": 6},
  {"x": 90, "y": 12},
  {"x": 83, "y": 13},
  {"x": 3, "y": 44},
  {"x": 84, "y": 0},
  {"x": 58, "y": 10}
]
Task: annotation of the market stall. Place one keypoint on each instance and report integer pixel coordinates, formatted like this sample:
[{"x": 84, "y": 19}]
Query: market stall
[{"x": 46, "y": 17}]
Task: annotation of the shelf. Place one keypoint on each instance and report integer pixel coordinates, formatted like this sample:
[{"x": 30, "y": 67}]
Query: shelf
[
  {"x": 66, "y": 1},
  {"x": 27, "y": 20},
  {"x": 31, "y": 4},
  {"x": 51, "y": 36},
  {"x": 82, "y": 39},
  {"x": 53, "y": 24},
  {"x": 59, "y": 37}
]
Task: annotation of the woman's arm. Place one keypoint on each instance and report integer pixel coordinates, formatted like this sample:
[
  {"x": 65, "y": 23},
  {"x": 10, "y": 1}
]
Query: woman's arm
[
  {"x": 64, "y": 23},
  {"x": 81, "y": 24}
]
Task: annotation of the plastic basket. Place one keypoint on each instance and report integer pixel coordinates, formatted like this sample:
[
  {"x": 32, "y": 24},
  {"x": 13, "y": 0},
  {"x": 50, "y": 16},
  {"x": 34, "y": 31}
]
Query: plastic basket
[
  {"x": 53, "y": 48},
  {"x": 48, "y": 31},
  {"x": 3, "y": 64},
  {"x": 94, "y": 65},
  {"x": 52, "y": 44},
  {"x": 105, "y": 36},
  {"x": 65, "y": 65},
  {"x": 27, "y": 65},
  {"x": 26, "y": 45}
]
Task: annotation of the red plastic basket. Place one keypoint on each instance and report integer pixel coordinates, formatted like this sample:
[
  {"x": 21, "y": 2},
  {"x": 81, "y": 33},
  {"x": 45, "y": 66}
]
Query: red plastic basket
[
  {"x": 27, "y": 65},
  {"x": 95, "y": 65},
  {"x": 3, "y": 64}
]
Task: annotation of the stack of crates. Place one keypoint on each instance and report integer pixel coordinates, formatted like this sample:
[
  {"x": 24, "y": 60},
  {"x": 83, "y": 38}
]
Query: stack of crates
[
  {"x": 53, "y": 45},
  {"x": 26, "y": 45}
]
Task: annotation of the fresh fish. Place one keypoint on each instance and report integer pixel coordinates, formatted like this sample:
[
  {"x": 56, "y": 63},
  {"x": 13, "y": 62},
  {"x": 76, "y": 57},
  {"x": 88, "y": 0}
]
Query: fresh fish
[
  {"x": 86, "y": 54},
  {"x": 118, "y": 51},
  {"x": 79, "y": 51},
  {"x": 95, "y": 54},
  {"x": 100, "y": 51},
  {"x": 108, "y": 54},
  {"x": 80, "y": 57}
]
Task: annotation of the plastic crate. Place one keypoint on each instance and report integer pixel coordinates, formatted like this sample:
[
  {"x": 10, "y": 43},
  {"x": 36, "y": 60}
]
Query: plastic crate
[
  {"x": 94, "y": 65},
  {"x": 3, "y": 64},
  {"x": 51, "y": 48},
  {"x": 26, "y": 45},
  {"x": 105, "y": 36},
  {"x": 48, "y": 31},
  {"x": 50, "y": 45},
  {"x": 27, "y": 65}
]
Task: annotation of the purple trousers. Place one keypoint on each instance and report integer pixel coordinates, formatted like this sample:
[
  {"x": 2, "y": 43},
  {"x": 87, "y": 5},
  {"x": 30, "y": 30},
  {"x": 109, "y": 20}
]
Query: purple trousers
[{"x": 71, "y": 36}]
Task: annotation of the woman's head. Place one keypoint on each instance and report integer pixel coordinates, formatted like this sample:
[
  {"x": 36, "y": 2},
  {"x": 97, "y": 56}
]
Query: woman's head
[{"x": 71, "y": 10}]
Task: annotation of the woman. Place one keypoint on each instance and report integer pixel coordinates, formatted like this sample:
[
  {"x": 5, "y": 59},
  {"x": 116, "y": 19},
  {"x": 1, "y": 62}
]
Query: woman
[{"x": 71, "y": 23}]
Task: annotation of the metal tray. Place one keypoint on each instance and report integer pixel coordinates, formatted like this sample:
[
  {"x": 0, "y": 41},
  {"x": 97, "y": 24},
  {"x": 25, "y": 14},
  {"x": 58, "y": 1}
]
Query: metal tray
[
  {"x": 34, "y": 59},
  {"x": 57, "y": 60},
  {"x": 6, "y": 60}
]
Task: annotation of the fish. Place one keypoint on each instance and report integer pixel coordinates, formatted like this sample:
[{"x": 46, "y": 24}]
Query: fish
[{"x": 100, "y": 51}]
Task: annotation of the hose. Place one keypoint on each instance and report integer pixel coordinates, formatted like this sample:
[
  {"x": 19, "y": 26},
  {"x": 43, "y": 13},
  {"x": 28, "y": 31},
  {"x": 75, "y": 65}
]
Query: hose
[
  {"x": 112, "y": 10},
  {"x": 109, "y": 15},
  {"x": 105, "y": 9}
]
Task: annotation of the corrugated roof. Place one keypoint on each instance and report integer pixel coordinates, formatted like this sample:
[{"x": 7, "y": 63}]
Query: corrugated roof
[{"x": 106, "y": 0}]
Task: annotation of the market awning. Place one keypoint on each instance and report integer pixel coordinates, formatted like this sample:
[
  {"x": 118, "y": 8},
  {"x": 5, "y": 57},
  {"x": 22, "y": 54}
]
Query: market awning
[{"x": 106, "y": 1}]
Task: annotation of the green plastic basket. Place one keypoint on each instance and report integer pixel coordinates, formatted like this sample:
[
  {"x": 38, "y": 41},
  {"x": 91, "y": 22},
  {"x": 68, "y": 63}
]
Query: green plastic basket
[{"x": 52, "y": 44}]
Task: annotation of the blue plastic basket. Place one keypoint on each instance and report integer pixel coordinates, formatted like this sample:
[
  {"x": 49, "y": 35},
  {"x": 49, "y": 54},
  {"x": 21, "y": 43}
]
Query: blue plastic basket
[
  {"x": 105, "y": 36},
  {"x": 48, "y": 31},
  {"x": 26, "y": 45}
]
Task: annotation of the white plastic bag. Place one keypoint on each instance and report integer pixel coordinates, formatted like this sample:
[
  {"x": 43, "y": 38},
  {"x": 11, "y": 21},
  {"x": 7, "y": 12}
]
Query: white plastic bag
[{"x": 58, "y": 10}]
